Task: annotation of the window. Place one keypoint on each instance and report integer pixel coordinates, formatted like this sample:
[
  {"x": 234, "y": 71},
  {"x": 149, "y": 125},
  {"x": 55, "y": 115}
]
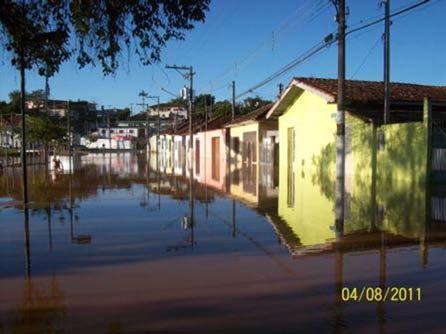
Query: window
[
  {"x": 121, "y": 131},
  {"x": 103, "y": 132},
  {"x": 131, "y": 131},
  {"x": 236, "y": 145},
  {"x": 250, "y": 147}
]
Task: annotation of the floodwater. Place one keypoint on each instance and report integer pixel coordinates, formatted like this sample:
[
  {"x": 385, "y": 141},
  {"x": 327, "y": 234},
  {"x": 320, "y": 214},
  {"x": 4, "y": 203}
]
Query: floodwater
[{"x": 131, "y": 244}]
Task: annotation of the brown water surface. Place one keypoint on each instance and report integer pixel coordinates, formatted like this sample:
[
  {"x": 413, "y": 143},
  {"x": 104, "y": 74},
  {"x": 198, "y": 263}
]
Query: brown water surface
[{"x": 126, "y": 245}]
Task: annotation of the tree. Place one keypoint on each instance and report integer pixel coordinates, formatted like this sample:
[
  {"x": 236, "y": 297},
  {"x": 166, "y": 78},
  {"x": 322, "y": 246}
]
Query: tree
[
  {"x": 221, "y": 108},
  {"x": 123, "y": 114},
  {"x": 14, "y": 102},
  {"x": 42, "y": 34},
  {"x": 4, "y": 107},
  {"x": 252, "y": 103},
  {"x": 44, "y": 129},
  {"x": 202, "y": 100}
]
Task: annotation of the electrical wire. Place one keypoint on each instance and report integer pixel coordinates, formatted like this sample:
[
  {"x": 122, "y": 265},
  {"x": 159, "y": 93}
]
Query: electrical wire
[
  {"x": 365, "y": 58},
  {"x": 328, "y": 40}
]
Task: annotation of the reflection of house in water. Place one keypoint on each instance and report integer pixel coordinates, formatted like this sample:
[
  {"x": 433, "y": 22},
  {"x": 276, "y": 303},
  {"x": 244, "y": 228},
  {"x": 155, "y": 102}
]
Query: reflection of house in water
[
  {"x": 386, "y": 165},
  {"x": 246, "y": 186},
  {"x": 122, "y": 163}
]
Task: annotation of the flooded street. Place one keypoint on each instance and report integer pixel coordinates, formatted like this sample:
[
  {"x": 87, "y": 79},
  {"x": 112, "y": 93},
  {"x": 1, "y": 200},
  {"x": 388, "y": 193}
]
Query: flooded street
[{"x": 131, "y": 244}]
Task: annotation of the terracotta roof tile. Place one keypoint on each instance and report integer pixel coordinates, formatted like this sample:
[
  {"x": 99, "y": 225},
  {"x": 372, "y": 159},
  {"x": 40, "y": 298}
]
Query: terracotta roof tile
[
  {"x": 254, "y": 115},
  {"x": 359, "y": 91}
]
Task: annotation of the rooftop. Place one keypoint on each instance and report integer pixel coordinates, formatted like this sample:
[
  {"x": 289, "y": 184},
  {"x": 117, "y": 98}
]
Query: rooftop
[
  {"x": 365, "y": 99},
  {"x": 255, "y": 115},
  {"x": 361, "y": 91}
]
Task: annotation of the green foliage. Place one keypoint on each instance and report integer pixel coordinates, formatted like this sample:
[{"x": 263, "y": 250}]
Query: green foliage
[
  {"x": 14, "y": 102},
  {"x": 220, "y": 108},
  {"x": 43, "y": 128},
  {"x": 250, "y": 104},
  {"x": 201, "y": 101},
  {"x": 35, "y": 34},
  {"x": 46, "y": 33},
  {"x": 123, "y": 114}
]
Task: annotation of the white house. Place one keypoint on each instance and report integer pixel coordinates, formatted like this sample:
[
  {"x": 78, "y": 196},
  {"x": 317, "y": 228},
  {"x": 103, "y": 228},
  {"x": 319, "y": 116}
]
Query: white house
[
  {"x": 167, "y": 111},
  {"x": 120, "y": 132},
  {"x": 106, "y": 144}
]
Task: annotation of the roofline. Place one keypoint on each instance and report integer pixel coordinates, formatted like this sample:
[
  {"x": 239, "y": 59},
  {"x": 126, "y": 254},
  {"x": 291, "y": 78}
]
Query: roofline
[
  {"x": 327, "y": 97},
  {"x": 299, "y": 84}
]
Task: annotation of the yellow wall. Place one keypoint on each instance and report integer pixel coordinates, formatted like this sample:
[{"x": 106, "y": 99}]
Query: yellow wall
[
  {"x": 238, "y": 131},
  {"x": 399, "y": 174},
  {"x": 311, "y": 215}
]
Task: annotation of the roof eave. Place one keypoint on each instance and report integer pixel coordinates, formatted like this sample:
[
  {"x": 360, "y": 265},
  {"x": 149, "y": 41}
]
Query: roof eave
[{"x": 292, "y": 91}]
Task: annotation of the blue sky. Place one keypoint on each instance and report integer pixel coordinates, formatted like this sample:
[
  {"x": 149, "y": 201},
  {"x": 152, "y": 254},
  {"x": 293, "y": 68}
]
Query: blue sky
[{"x": 247, "y": 40}]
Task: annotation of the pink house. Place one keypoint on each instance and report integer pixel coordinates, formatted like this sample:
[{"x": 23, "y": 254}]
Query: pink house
[{"x": 210, "y": 154}]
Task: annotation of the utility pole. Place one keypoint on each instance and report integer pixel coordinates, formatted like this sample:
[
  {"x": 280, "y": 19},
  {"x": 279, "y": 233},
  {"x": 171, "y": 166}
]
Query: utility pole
[
  {"x": 70, "y": 142},
  {"x": 233, "y": 100},
  {"x": 143, "y": 95},
  {"x": 47, "y": 91},
  {"x": 157, "y": 98},
  {"x": 109, "y": 129},
  {"x": 280, "y": 90},
  {"x": 23, "y": 115},
  {"x": 386, "y": 61},
  {"x": 189, "y": 75},
  {"x": 69, "y": 126},
  {"x": 340, "y": 119}
]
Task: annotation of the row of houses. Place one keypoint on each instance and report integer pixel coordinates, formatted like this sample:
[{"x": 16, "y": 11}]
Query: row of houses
[
  {"x": 303, "y": 121},
  {"x": 288, "y": 148}
]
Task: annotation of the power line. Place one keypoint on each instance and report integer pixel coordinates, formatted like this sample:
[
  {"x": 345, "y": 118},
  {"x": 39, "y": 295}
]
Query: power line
[
  {"x": 305, "y": 13},
  {"x": 381, "y": 19},
  {"x": 365, "y": 58},
  {"x": 328, "y": 40},
  {"x": 325, "y": 43}
]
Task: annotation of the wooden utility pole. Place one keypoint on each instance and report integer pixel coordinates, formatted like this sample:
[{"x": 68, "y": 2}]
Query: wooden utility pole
[
  {"x": 189, "y": 75},
  {"x": 23, "y": 115},
  {"x": 143, "y": 95},
  {"x": 109, "y": 129},
  {"x": 386, "y": 61},
  {"x": 233, "y": 100},
  {"x": 279, "y": 95},
  {"x": 69, "y": 127},
  {"x": 157, "y": 98},
  {"x": 340, "y": 119}
]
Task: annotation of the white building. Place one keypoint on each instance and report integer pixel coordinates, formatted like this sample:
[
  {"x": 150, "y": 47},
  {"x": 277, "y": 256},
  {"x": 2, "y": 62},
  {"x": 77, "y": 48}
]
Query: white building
[
  {"x": 106, "y": 144},
  {"x": 120, "y": 132},
  {"x": 167, "y": 111},
  {"x": 8, "y": 139}
]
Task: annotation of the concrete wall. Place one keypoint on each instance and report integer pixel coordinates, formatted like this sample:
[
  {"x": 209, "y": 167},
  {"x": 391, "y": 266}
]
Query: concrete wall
[{"x": 385, "y": 173}]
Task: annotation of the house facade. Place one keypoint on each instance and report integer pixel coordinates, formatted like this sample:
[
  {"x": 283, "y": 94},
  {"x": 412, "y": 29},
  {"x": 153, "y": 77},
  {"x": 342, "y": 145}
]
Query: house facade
[
  {"x": 379, "y": 158},
  {"x": 253, "y": 138}
]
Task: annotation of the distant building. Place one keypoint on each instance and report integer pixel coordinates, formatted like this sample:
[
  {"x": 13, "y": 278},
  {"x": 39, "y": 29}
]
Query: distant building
[
  {"x": 169, "y": 110},
  {"x": 120, "y": 132},
  {"x": 140, "y": 121},
  {"x": 79, "y": 109},
  {"x": 8, "y": 137}
]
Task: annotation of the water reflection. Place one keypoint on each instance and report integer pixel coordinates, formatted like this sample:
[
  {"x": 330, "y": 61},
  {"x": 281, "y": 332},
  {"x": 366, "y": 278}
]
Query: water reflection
[{"x": 227, "y": 243}]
